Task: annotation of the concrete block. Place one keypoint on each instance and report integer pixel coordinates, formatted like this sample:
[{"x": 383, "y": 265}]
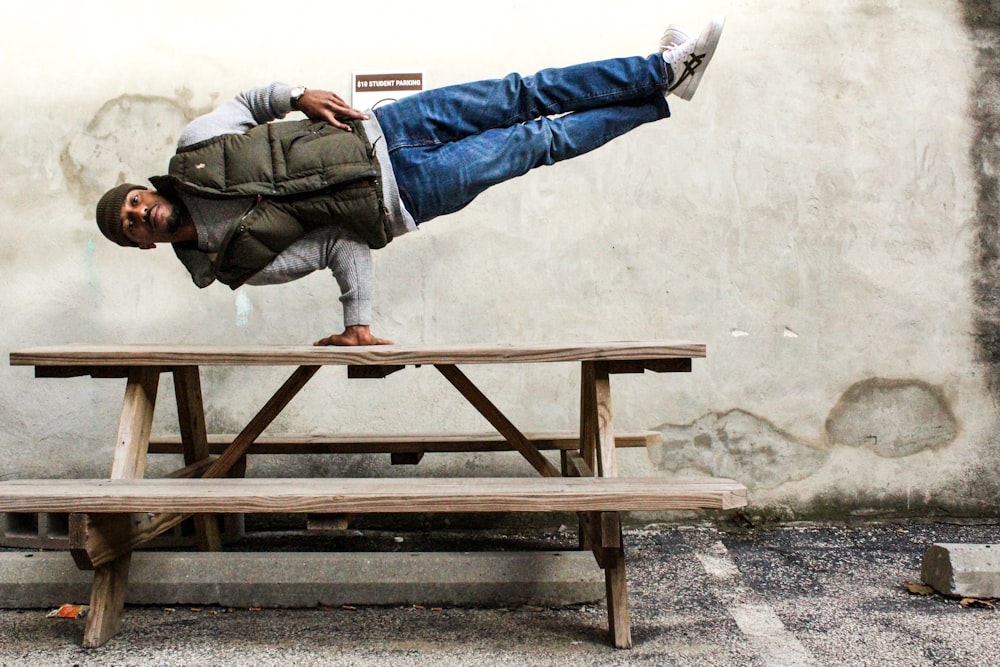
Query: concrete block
[
  {"x": 963, "y": 570},
  {"x": 293, "y": 579}
]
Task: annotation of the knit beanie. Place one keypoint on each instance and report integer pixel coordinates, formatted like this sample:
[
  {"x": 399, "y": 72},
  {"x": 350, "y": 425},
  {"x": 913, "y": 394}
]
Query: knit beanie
[{"x": 109, "y": 213}]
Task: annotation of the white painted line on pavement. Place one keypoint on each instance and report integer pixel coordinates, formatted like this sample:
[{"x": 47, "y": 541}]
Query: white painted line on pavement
[{"x": 756, "y": 619}]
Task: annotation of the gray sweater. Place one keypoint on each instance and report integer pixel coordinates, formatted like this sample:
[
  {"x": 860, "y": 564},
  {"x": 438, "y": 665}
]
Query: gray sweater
[{"x": 342, "y": 252}]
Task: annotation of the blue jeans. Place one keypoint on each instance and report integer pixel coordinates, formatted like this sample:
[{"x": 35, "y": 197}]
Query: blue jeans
[{"x": 447, "y": 145}]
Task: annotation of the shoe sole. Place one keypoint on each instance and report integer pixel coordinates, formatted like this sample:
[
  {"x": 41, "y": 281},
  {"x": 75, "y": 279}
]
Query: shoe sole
[{"x": 688, "y": 84}]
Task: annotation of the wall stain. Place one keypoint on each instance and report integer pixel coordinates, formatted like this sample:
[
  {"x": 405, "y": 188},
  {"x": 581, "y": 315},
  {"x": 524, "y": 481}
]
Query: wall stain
[
  {"x": 892, "y": 417},
  {"x": 129, "y": 138},
  {"x": 739, "y": 445},
  {"x": 982, "y": 18}
]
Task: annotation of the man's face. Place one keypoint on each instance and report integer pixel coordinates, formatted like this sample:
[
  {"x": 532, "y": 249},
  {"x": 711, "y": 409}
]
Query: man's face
[{"x": 149, "y": 218}]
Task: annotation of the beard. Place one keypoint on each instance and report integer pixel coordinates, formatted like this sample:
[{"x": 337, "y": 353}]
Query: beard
[
  {"x": 174, "y": 221},
  {"x": 176, "y": 216}
]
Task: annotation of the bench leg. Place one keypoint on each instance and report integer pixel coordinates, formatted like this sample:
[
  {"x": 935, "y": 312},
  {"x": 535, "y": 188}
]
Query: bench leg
[
  {"x": 107, "y": 596},
  {"x": 619, "y": 622},
  {"x": 107, "y": 602},
  {"x": 610, "y": 552},
  {"x": 602, "y": 533}
]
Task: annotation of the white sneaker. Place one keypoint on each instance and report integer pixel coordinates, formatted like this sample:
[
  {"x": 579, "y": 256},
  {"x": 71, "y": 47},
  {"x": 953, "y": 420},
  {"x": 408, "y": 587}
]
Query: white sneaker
[
  {"x": 689, "y": 59},
  {"x": 674, "y": 36}
]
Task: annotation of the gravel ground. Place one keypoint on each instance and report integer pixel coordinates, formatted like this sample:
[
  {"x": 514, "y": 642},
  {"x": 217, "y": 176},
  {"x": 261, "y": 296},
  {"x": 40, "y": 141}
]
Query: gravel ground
[{"x": 700, "y": 595}]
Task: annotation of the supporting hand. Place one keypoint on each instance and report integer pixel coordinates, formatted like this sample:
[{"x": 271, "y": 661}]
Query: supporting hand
[
  {"x": 323, "y": 105},
  {"x": 356, "y": 334}
]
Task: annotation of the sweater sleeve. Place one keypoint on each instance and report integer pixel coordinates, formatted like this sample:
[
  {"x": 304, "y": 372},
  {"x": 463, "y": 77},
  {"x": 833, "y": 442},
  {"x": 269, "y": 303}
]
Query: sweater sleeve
[
  {"x": 351, "y": 264},
  {"x": 349, "y": 258},
  {"x": 252, "y": 107}
]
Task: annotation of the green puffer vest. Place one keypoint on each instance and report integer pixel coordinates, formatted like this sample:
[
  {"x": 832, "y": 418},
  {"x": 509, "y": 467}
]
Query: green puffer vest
[{"x": 305, "y": 174}]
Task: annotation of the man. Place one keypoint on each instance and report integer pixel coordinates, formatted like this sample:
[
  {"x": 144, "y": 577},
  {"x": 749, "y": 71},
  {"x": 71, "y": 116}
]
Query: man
[{"x": 251, "y": 201}]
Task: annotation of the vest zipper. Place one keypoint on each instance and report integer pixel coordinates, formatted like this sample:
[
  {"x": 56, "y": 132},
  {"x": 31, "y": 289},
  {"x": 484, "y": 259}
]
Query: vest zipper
[
  {"x": 217, "y": 261},
  {"x": 250, "y": 210}
]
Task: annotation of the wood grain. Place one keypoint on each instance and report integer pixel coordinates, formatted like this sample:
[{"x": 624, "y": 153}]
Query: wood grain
[
  {"x": 107, "y": 595},
  {"x": 616, "y": 587},
  {"x": 194, "y": 439},
  {"x": 407, "y": 495},
  {"x": 308, "y": 355},
  {"x": 607, "y": 461},
  {"x": 107, "y": 602},
  {"x": 575, "y": 466},
  {"x": 135, "y": 423}
]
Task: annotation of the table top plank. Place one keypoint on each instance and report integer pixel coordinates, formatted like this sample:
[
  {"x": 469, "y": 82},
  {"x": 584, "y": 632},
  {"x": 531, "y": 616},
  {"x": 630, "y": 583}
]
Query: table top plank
[
  {"x": 97, "y": 355},
  {"x": 335, "y": 495}
]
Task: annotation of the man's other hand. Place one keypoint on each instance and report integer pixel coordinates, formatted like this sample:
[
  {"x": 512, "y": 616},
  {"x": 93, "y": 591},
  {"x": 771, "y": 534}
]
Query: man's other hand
[
  {"x": 357, "y": 334},
  {"x": 326, "y": 106}
]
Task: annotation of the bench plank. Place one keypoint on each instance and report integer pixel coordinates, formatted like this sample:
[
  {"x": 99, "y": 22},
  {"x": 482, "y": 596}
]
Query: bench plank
[
  {"x": 428, "y": 443},
  {"x": 372, "y": 495},
  {"x": 378, "y": 355}
]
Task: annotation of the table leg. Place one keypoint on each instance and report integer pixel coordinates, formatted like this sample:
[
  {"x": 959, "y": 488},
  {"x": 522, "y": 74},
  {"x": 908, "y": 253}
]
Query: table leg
[
  {"x": 194, "y": 438},
  {"x": 607, "y": 458},
  {"x": 601, "y": 531},
  {"x": 107, "y": 597},
  {"x": 107, "y": 602},
  {"x": 616, "y": 586},
  {"x": 588, "y": 415},
  {"x": 135, "y": 424},
  {"x": 597, "y": 432}
]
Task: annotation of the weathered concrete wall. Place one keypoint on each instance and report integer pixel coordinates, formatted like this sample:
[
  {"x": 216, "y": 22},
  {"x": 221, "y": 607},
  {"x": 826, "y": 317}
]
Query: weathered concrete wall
[{"x": 822, "y": 215}]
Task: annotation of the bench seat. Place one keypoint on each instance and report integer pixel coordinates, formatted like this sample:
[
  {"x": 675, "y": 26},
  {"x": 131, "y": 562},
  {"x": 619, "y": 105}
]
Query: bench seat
[
  {"x": 427, "y": 443},
  {"x": 369, "y": 495}
]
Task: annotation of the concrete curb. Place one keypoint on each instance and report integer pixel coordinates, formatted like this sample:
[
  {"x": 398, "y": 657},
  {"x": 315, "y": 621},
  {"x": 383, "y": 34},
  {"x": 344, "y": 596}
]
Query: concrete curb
[
  {"x": 292, "y": 579},
  {"x": 963, "y": 570}
]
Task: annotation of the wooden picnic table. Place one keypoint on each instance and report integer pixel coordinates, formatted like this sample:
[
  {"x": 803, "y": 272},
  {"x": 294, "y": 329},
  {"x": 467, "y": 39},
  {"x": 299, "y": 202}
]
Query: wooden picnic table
[{"x": 113, "y": 516}]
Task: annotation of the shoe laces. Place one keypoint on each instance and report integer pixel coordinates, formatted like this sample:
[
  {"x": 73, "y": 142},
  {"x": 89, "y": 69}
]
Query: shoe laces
[
  {"x": 673, "y": 37},
  {"x": 679, "y": 53}
]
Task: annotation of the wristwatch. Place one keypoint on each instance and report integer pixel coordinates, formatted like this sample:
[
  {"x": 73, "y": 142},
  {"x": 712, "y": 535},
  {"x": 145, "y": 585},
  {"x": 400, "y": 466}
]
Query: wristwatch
[{"x": 297, "y": 93}]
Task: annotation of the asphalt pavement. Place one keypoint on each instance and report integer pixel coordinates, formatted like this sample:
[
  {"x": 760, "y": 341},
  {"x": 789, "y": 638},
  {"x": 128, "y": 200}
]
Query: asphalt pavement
[{"x": 701, "y": 594}]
